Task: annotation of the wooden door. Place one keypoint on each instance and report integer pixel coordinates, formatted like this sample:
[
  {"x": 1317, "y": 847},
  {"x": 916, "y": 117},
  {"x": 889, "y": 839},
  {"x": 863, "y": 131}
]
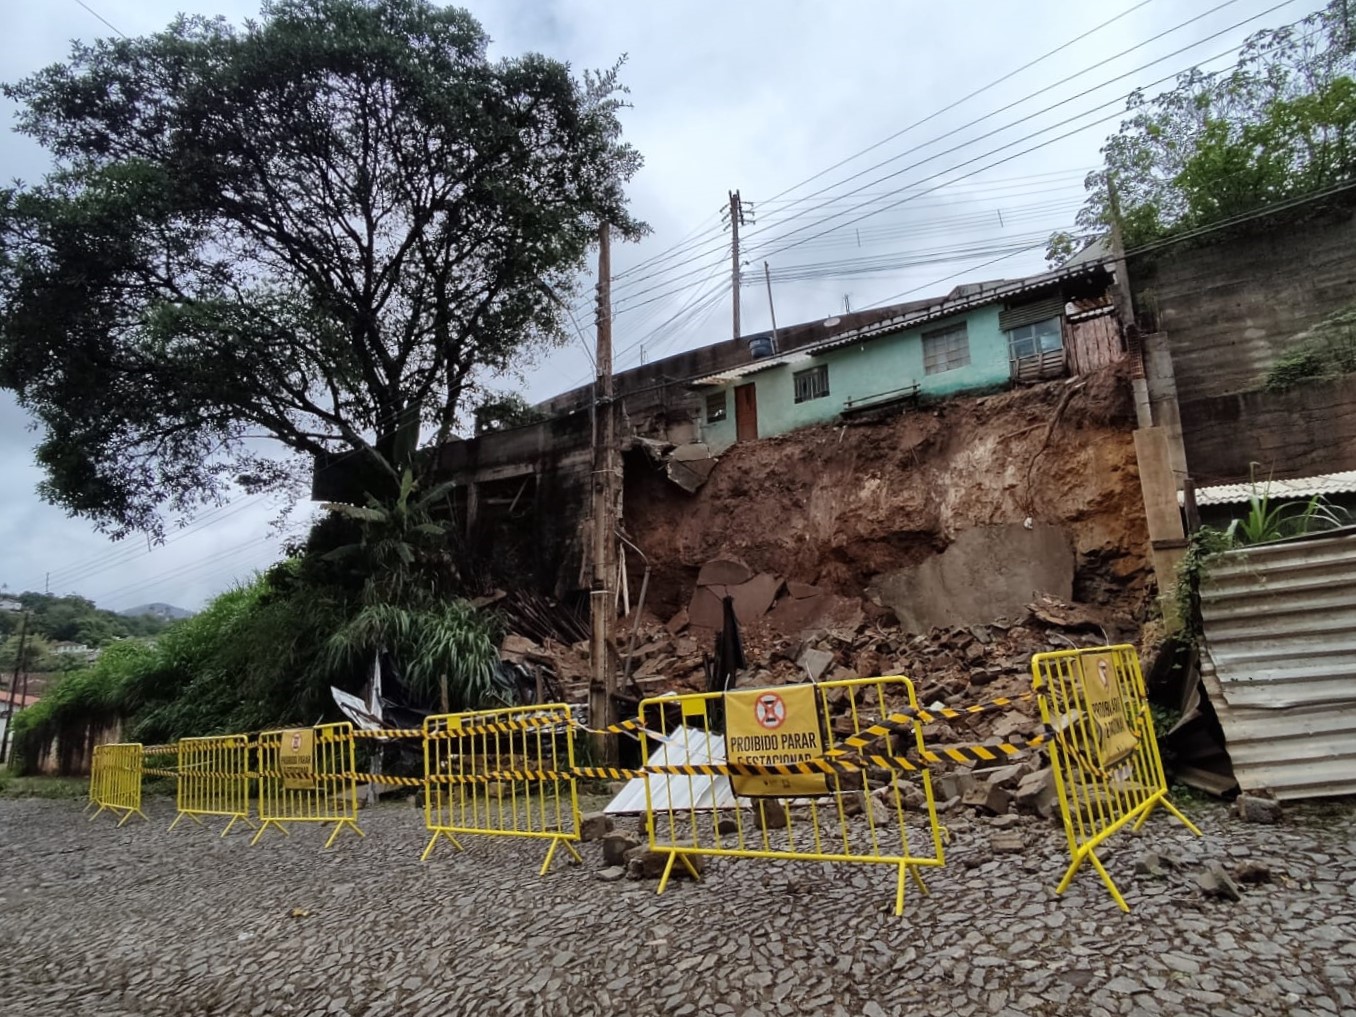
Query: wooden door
[{"x": 746, "y": 413}]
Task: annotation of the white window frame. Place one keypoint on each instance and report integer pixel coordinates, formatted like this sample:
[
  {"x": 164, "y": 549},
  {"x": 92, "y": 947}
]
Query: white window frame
[
  {"x": 950, "y": 349},
  {"x": 723, "y": 412},
  {"x": 1035, "y": 343},
  {"x": 811, "y": 383}
]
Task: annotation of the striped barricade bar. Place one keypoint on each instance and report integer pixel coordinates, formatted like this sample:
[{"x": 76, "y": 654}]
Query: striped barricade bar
[
  {"x": 214, "y": 779},
  {"x": 502, "y": 773},
  {"x": 115, "y": 780},
  {"x": 785, "y": 784},
  {"x": 1103, "y": 751},
  {"x": 307, "y": 775}
]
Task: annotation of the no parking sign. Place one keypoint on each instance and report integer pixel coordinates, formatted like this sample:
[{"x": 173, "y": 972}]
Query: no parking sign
[{"x": 770, "y": 726}]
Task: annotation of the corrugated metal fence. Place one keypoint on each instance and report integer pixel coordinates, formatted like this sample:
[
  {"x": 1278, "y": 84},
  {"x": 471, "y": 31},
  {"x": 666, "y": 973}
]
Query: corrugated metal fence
[{"x": 1280, "y": 663}]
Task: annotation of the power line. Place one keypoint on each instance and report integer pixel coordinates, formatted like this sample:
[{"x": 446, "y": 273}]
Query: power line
[
  {"x": 765, "y": 250},
  {"x": 966, "y": 98},
  {"x": 102, "y": 18},
  {"x": 1030, "y": 116},
  {"x": 1078, "y": 116}
]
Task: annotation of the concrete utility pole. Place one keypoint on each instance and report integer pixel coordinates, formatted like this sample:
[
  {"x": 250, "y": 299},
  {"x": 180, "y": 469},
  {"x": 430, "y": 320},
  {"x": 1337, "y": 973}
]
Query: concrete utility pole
[
  {"x": 771, "y": 309},
  {"x": 736, "y": 220},
  {"x": 602, "y": 605}
]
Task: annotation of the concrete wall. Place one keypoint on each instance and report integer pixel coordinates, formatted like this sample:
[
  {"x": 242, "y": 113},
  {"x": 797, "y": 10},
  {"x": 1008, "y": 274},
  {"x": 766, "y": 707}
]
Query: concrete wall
[
  {"x": 869, "y": 369},
  {"x": 988, "y": 572},
  {"x": 1227, "y": 311}
]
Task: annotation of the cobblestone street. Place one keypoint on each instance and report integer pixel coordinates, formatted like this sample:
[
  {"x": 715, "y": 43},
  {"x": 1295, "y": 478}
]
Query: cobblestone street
[{"x": 138, "y": 921}]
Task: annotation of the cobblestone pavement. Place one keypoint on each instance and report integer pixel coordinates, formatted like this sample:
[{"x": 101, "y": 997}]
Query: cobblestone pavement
[{"x": 139, "y": 921}]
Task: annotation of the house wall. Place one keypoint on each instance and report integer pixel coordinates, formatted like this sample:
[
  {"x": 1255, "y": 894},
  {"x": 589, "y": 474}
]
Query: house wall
[
  {"x": 874, "y": 367},
  {"x": 1226, "y": 312}
]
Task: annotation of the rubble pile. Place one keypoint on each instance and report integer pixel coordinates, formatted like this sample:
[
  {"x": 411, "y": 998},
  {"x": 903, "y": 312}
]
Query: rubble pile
[{"x": 952, "y": 667}]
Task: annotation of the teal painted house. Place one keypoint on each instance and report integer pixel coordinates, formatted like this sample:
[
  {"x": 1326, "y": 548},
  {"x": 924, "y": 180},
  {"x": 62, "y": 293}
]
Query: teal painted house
[{"x": 977, "y": 338}]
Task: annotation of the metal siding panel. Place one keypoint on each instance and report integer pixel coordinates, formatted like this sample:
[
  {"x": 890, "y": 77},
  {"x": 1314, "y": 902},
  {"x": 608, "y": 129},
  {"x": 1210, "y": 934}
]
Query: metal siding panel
[
  {"x": 1029, "y": 314},
  {"x": 1280, "y": 663}
]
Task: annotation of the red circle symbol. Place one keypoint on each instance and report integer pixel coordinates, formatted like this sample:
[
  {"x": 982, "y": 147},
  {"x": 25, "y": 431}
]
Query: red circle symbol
[{"x": 770, "y": 710}]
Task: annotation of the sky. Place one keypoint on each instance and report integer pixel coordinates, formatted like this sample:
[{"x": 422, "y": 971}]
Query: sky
[{"x": 888, "y": 151}]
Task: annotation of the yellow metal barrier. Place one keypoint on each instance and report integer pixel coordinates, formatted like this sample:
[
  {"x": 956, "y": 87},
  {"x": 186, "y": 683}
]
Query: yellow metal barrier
[
  {"x": 1104, "y": 752},
  {"x": 97, "y": 768},
  {"x": 506, "y": 773},
  {"x": 115, "y": 780},
  {"x": 306, "y": 775},
  {"x": 214, "y": 779},
  {"x": 796, "y": 744}
]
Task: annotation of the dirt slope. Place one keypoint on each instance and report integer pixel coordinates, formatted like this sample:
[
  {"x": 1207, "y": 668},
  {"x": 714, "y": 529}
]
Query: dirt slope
[{"x": 837, "y": 505}]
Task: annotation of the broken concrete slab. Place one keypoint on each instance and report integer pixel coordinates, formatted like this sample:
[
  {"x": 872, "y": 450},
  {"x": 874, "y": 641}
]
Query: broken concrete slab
[
  {"x": 993, "y": 800},
  {"x": 1036, "y": 793},
  {"x": 724, "y": 572},
  {"x": 705, "y": 609},
  {"x": 815, "y": 662},
  {"x": 799, "y": 616},
  {"x": 617, "y": 844},
  {"x": 642, "y": 863},
  {"x": 753, "y": 598},
  {"x": 987, "y": 572},
  {"x": 594, "y": 826},
  {"x": 1215, "y": 882},
  {"x": 689, "y": 466}
]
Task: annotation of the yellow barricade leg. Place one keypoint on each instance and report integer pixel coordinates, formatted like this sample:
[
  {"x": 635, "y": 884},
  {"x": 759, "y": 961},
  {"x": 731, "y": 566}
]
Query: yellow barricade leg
[
  {"x": 214, "y": 779},
  {"x": 506, "y": 773},
  {"x": 307, "y": 775},
  {"x": 776, "y": 773},
  {"x": 115, "y": 780},
  {"x": 1104, "y": 752}
]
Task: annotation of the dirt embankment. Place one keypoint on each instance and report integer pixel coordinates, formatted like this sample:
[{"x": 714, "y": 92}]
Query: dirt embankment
[{"x": 837, "y": 505}]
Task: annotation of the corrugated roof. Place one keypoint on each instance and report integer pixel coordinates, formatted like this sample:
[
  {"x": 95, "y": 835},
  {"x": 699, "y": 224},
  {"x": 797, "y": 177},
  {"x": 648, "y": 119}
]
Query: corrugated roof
[
  {"x": 1278, "y": 490},
  {"x": 1279, "y": 663},
  {"x": 963, "y": 298},
  {"x": 744, "y": 370}
]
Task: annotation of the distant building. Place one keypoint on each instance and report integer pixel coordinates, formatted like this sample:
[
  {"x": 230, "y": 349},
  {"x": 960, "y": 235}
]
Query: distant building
[{"x": 10, "y": 604}]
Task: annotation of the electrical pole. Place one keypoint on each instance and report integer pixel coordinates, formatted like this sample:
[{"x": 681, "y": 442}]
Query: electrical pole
[
  {"x": 772, "y": 310},
  {"x": 736, "y": 220},
  {"x": 14, "y": 688},
  {"x": 602, "y": 607}
]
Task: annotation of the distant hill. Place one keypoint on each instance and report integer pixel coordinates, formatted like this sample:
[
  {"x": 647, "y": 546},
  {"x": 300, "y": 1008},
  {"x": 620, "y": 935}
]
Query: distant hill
[{"x": 167, "y": 612}]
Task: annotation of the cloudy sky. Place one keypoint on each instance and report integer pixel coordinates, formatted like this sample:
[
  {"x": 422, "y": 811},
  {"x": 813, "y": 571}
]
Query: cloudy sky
[{"x": 888, "y": 150}]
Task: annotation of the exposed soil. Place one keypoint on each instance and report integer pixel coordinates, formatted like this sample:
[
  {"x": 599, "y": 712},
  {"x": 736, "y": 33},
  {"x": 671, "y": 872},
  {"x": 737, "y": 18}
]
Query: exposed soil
[{"x": 836, "y": 505}]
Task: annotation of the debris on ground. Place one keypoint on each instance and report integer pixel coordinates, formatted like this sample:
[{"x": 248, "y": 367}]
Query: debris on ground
[
  {"x": 1216, "y": 882},
  {"x": 1257, "y": 809}
]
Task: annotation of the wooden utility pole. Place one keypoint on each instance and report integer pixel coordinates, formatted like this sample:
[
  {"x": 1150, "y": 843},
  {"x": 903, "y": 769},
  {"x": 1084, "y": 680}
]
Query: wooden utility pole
[
  {"x": 602, "y": 604},
  {"x": 736, "y": 220}
]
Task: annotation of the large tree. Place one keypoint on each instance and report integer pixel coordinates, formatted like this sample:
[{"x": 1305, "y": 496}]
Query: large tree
[
  {"x": 317, "y": 228},
  {"x": 1276, "y": 127}
]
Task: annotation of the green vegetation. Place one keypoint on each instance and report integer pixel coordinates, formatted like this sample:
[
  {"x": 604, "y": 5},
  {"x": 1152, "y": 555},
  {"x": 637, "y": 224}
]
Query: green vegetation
[
  {"x": 370, "y": 579},
  {"x": 505, "y": 412},
  {"x": 1279, "y": 125},
  {"x": 74, "y": 620},
  {"x": 318, "y": 227},
  {"x": 1328, "y": 350},
  {"x": 55, "y": 788}
]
